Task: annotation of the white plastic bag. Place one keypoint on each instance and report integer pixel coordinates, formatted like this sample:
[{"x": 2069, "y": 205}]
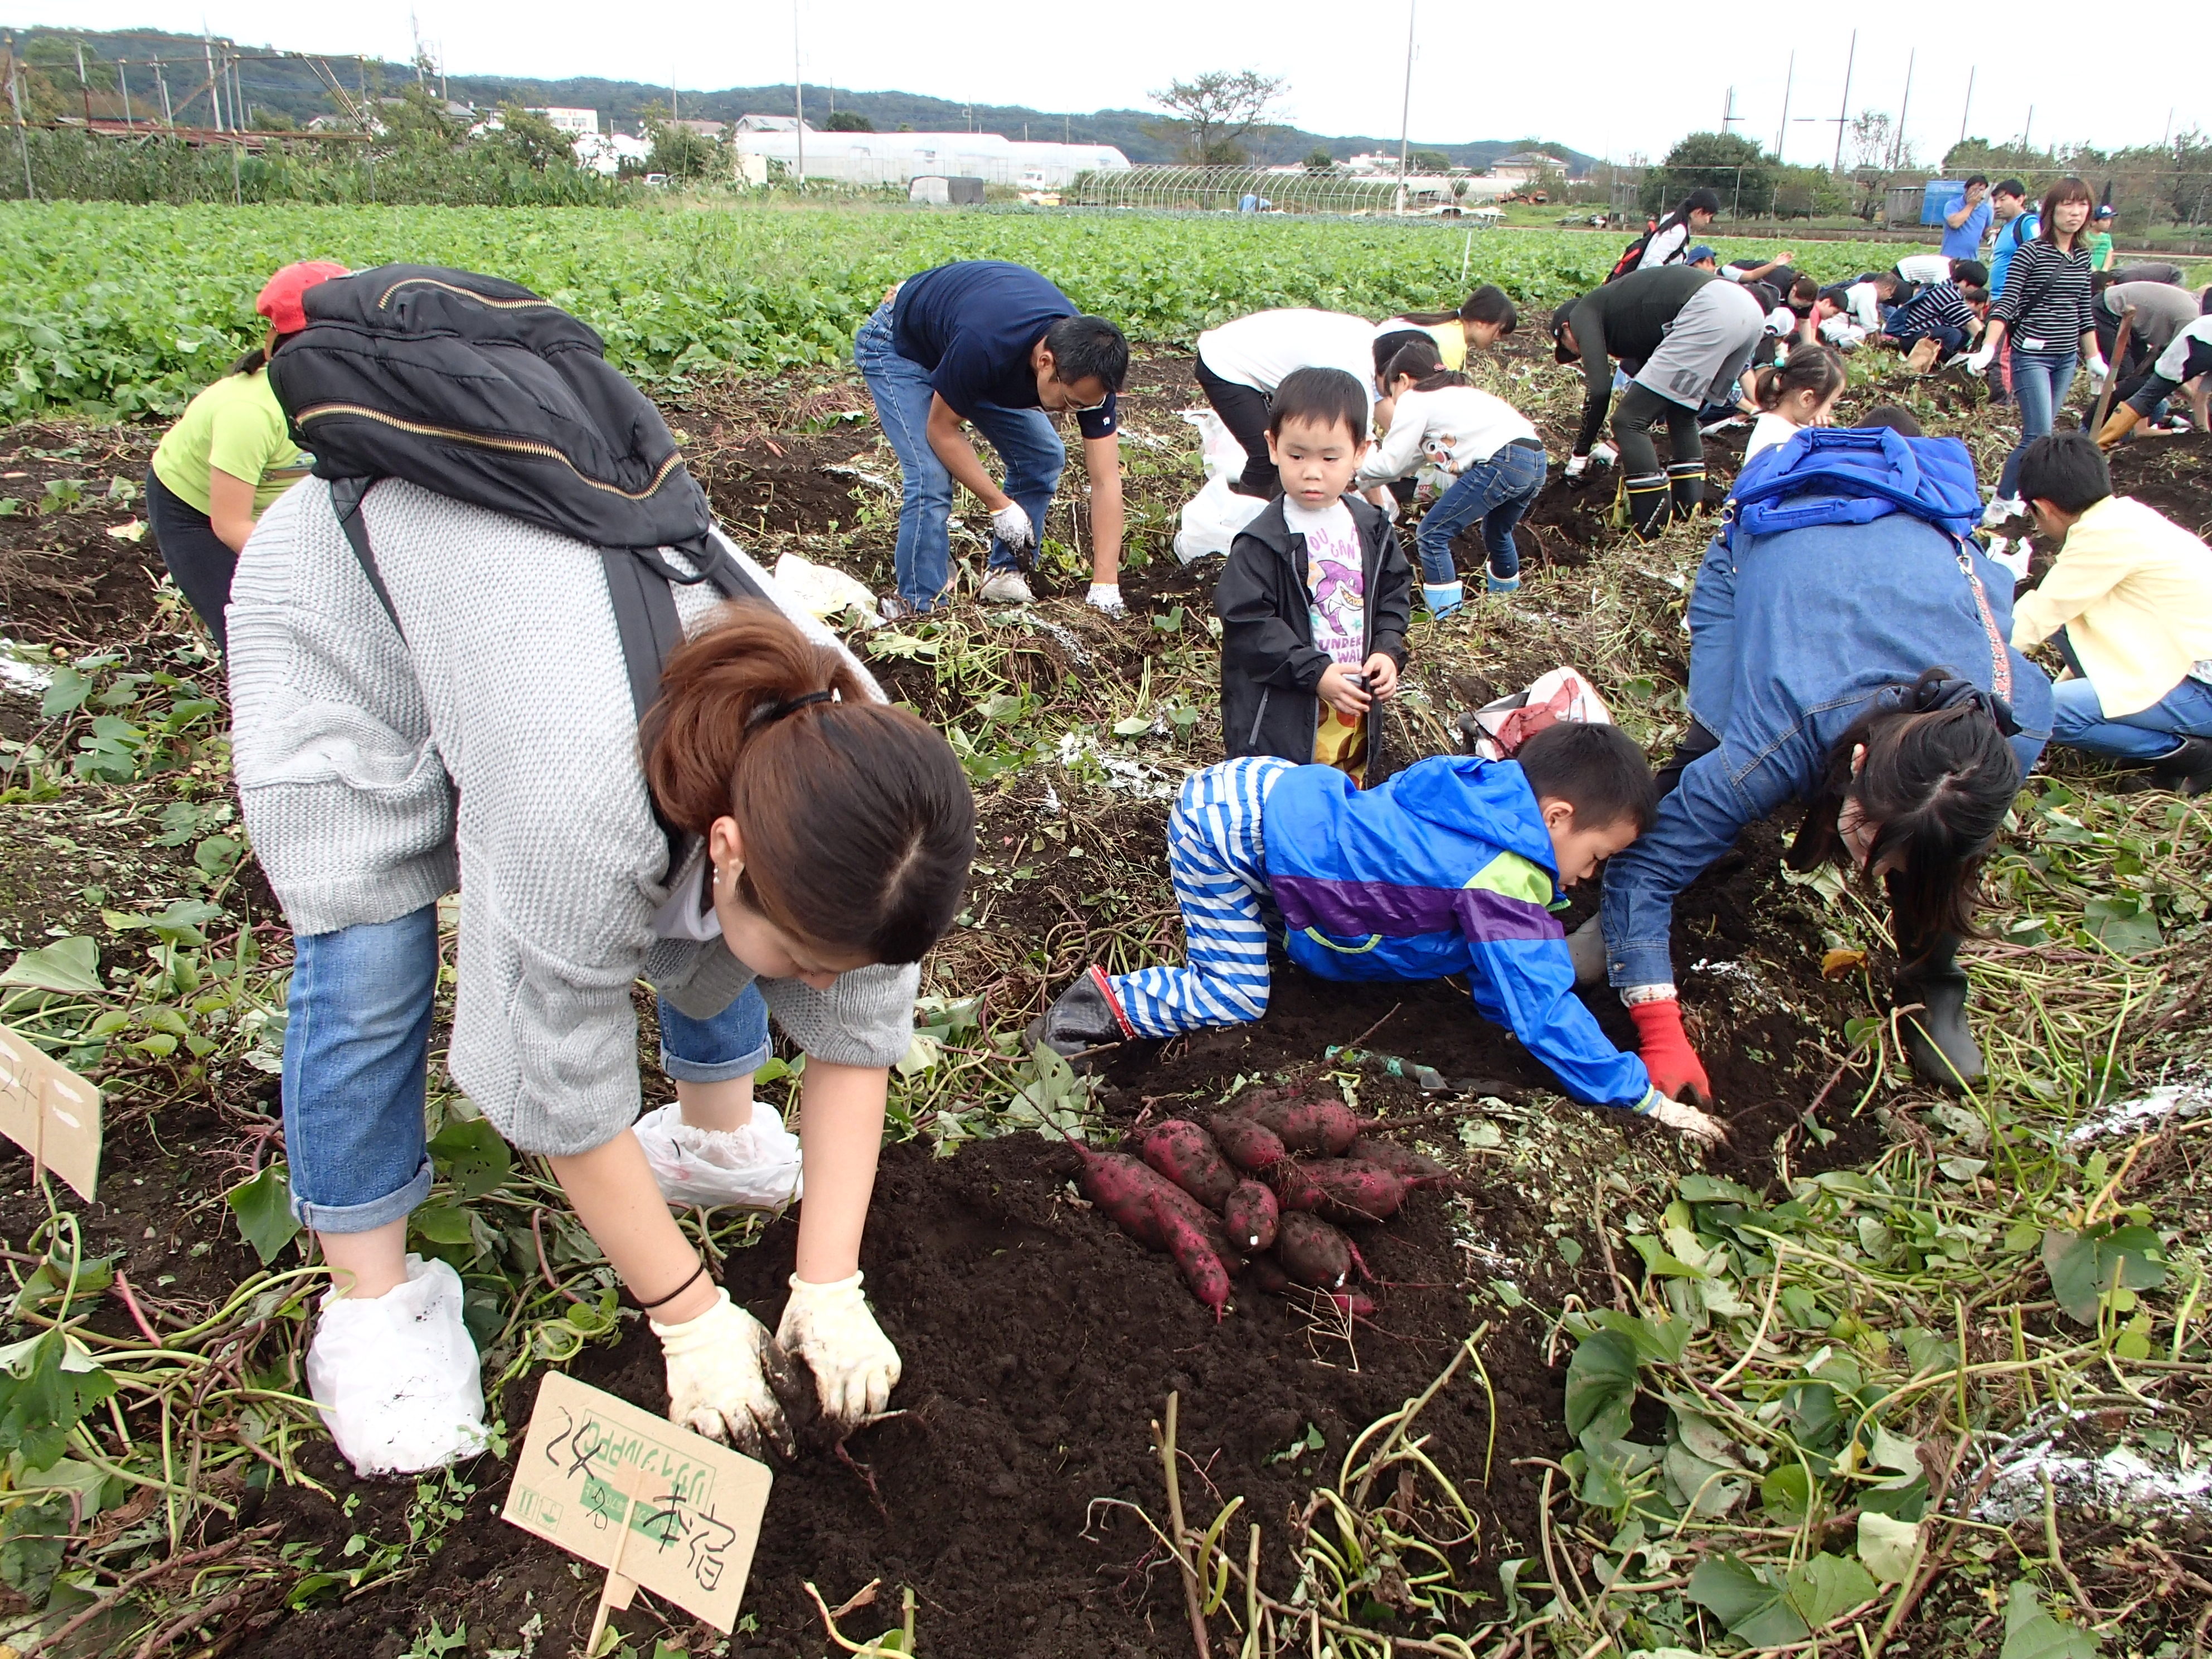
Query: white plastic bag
[
  {"x": 1505, "y": 725},
  {"x": 755, "y": 1168},
  {"x": 1218, "y": 448},
  {"x": 824, "y": 593},
  {"x": 397, "y": 1377},
  {"x": 1211, "y": 518}
]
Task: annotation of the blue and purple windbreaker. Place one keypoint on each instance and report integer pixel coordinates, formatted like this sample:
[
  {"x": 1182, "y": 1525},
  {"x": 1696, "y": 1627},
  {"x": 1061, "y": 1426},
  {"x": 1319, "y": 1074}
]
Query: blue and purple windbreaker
[{"x": 1447, "y": 868}]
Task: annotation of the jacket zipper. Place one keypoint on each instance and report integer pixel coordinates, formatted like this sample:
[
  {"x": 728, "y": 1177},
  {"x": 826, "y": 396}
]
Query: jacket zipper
[
  {"x": 1252, "y": 738},
  {"x": 383, "y": 300},
  {"x": 506, "y": 446}
]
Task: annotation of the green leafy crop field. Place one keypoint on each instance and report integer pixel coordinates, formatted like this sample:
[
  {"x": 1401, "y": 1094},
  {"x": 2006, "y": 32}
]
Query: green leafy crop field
[{"x": 115, "y": 310}]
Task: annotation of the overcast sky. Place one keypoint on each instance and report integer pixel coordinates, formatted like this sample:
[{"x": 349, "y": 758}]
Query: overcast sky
[{"x": 1605, "y": 77}]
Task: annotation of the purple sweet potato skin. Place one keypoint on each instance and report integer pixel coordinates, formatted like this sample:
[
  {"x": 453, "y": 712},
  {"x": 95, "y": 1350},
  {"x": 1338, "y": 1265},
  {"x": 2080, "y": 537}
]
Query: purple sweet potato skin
[
  {"x": 1267, "y": 1275},
  {"x": 1203, "y": 1269},
  {"x": 1312, "y": 1252},
  {"x": 1251, "y": 1146},
  {"x": 1250, "y": 1213},
  {"x": 1354, "y": 1190},
  {"x": 1400, "y": 1160},
  {"x": 1321, "y": 1126},
  {"x": 1123, "y": 1189},
  {"x": 1187, "y": 1155},
  {"x": 1295, "y": 1189}
]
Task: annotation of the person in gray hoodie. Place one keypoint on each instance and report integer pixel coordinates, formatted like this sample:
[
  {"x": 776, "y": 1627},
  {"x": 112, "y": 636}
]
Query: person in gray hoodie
[{"x": 772, "y": 823}]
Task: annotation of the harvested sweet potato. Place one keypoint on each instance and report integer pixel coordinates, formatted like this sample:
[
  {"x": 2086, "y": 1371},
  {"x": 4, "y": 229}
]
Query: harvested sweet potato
[
  {"x": 1354, "y": 1190},
  {"x": 1123, "y": 1189},
  {"x": 1160, "y": 1215},
  {"x": 1321, "y": 1125},
  {"x": 1399, "y": 1160},
  {"x": 1312, "y": 1252},
  {"x": 1250, "y": 1144},
  {"x": 1203, "y": 1269},
  {"x": 1268, "y": 1275},
  {"x": 1294, "y": 1188},
  {"x": 1250, "y": 1214},
  {"x": 1187, "y": 1155}
]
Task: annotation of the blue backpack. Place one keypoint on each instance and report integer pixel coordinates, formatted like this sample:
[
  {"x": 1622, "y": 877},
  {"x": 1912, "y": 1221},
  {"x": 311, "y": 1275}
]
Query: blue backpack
[{"x": 1855, "y": 475}]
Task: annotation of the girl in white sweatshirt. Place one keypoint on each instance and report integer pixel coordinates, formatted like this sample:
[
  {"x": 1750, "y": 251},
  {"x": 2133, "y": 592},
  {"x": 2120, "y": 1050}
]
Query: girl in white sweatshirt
[{"x": 1492, "y": 452}]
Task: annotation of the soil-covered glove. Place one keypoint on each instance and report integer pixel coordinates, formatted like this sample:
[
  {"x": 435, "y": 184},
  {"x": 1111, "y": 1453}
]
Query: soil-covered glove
[
  {"x": 1604, "y": 454},
  {"x": 1676, "y": 1071},
  {"x": 1576, "y": 465},
  {"x": 1012, "y": 526},
  {"x": 1688, "y": 1118},
  {"x": 1106, "y": 597},
  {"x": 1980, "y": 361},
  {"x": 718, "y": 1378},
  {"x": 829, "y": 1326}
]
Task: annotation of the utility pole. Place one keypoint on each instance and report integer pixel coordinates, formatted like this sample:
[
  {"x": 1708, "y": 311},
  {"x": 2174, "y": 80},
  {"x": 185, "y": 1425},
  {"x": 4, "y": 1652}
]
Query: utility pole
[
  {"x": 162, "y": 84},
  {"x": 1782, "y": 132},
  {"x": 1405, "y": 103},
  {"x": 1969, "y": 108},
  {"x": 123, "y": 75},
  {"x": 2027, "y": 131},
  {"x": 1844, "y": 117},
  {"x": 799, "y": 96},
  {"x": 83, "y": 87},
  {"x": 214, "y": 89},
  {"x": 1897, "y": 150},
  {"x": 16, "y": 102}
]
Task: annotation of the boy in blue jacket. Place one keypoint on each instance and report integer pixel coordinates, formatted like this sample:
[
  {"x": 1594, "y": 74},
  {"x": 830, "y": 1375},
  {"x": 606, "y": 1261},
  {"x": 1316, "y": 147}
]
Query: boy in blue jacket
[{"x": 1450, "y": 868}]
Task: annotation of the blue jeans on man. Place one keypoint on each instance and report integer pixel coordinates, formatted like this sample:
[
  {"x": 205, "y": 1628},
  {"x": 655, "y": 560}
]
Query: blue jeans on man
[
  {"x": 2039, "y": 382},
  {"x": 1497, "y": 492},
  {"x": 1025, "y": 439},
  {"x": 2079, "y": 720},
  {"x": 357, "y": 1047},
  {"x": 1952, "y": 339}
]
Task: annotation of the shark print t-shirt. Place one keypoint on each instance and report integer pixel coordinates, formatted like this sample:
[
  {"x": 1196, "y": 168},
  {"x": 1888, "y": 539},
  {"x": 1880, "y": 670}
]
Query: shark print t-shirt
[{"x": 1337, "y": 608}]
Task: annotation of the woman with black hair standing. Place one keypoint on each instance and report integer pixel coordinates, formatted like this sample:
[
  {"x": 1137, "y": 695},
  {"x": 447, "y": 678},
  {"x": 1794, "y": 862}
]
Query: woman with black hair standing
[
  {"x": 2046, "y": 311},
  {"x": 1670, "y": 238}
]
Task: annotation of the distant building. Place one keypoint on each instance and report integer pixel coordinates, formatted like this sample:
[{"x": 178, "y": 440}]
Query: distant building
[
  {"x": 899, "y": 158},
  {"x": 1523, "y": 169},
  {"x": 605, "y": 152},
  {"x": 713, "y": 130},
  {"x": 574, "y": 122},
  {"x": 753, "y": 121}
]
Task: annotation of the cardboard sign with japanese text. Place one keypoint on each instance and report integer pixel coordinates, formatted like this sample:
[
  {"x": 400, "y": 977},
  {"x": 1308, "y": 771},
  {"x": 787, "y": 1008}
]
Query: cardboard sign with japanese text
[
  {"x": 697, "y": 1506},
  {"x": 50, "y": 1112}
]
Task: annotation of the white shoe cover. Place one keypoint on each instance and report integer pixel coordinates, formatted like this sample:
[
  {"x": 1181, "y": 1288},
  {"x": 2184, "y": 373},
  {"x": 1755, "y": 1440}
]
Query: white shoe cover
[
  {"x": 397, "y": 1375},
  {"x": 755, "y": 1168}
]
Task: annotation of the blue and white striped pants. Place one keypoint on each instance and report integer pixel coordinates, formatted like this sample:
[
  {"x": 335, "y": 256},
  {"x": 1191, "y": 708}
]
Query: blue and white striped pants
[{"x": 1220, "y": 875}]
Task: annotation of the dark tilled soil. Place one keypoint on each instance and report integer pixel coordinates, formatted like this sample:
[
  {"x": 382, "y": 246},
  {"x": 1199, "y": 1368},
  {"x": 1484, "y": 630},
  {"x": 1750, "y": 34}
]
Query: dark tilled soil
[
  {"x": 1038, "y": 1344},
  {"x": 63, "y": 577},
  {"x": 2174, "y": 475}
]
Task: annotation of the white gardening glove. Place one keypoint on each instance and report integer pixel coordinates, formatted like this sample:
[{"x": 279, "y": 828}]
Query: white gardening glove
[
  {"x": 2098, "y": 370},
  {"x": 1576, "y": 465},
  {"x": 1980, "y": 361},
  {"x": 718, "y": 1383},
  {"x": 1106, "y": 597},
  {"x": 1688, "y": 1118},
  {"x": 829, "y": 1326},
  {"x": 1604, "y": 454},
  {"x": 1012, "y": 526}
]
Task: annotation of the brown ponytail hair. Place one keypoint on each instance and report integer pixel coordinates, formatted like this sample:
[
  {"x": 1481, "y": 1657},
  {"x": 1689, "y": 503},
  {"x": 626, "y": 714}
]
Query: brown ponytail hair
[
  {"x": 858, "y": 822},
  {"x": 1812, "y": 368}
]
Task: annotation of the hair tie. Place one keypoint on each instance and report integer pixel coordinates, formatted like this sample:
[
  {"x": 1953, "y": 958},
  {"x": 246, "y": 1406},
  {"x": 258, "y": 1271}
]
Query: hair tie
[{"x": 768, "y": 714}]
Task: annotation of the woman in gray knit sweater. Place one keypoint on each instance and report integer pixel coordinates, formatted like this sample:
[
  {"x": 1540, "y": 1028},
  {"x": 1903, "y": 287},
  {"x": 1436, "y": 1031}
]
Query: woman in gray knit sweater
[{"x": 488, "y": 742}]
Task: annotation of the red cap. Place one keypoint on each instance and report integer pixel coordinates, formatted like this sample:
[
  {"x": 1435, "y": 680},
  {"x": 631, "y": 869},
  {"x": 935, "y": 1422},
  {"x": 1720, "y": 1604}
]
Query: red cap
[{"x": 280, "y": 294}]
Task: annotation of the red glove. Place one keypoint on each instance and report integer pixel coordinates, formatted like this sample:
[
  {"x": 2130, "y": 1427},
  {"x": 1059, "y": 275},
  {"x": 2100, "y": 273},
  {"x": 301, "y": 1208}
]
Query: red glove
[{"x": 1676, "y": 1071}]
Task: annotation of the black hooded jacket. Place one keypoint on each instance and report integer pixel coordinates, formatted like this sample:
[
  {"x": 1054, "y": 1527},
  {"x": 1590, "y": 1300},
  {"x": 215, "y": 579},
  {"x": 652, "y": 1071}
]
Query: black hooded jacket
[{"x": 1270, "y": 666}]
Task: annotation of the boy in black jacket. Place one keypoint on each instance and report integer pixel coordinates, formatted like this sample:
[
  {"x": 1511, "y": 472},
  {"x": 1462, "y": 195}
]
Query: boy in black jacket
[{"x": 1317, "y": 593}]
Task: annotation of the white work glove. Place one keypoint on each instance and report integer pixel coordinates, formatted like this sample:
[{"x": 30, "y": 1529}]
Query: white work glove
[
  {"x": 2098, "y": 370},
  {"x": 1012, "y": 526},
  {"x": 1688, "y": 1118},
  {"x": 1980, "y": 361},
  {"x": 1106, "y": 597},
  {"x": 718, "y": 1378},
  {"x": 1604, "y": 454},
  {"x": 1576, "y": 465},
  {"x": 829, "y": 1326}
]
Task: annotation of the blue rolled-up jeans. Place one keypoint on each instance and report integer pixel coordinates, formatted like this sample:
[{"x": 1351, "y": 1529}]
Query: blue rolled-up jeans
[
  {"x": 1497, "y": 492},
  {"x": 2039, "y": 381},
  {"x": 1023, "y": 437},
  {"x": 2079, "y": 721},
  {"x": 357, "y": 1047}
]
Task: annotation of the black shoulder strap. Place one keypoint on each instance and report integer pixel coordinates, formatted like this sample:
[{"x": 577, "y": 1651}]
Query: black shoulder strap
[{"x": 347, "y": 495}]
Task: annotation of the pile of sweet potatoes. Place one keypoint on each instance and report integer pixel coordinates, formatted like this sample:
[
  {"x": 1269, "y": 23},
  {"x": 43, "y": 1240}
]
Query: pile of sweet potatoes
[{"x": 1258, "y": 1188}]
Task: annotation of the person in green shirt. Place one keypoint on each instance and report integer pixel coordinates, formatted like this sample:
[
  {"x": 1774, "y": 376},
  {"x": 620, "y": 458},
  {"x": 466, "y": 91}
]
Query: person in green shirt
[
  {"x": 228, "y": 457},
  {"x": 2100, "y": 237}
]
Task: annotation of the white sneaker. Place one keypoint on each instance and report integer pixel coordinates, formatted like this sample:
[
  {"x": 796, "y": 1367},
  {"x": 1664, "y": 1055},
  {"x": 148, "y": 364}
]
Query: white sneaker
[
  {"x": 2002, "y": 510},
  {"x": 397, "y": 1377},
  {"x": 755, "y": 1168},
  {"x": 1005, "y": 587}
]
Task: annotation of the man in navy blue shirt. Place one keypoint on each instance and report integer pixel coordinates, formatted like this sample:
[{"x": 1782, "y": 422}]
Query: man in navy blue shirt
[{"x": 995, "y": 345}]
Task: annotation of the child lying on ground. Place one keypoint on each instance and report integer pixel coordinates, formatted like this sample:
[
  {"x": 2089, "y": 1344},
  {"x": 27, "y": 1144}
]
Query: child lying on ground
[
  {"x": 1315, "y": 598},
  {"x": 1493, "y": 453},
  {"x": 1449, "y": 867}
]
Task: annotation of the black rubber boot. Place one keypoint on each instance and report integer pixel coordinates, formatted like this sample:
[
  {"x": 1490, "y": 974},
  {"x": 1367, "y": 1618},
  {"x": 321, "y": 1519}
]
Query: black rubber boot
[
  {"x": 1086, "y": 1017},
  {"x": 1649, "y": 505},
  {"x": 1685, "y": 483},
  {"x": 2187, "y": 770},
  {"x": 1937, "y": 1039}
]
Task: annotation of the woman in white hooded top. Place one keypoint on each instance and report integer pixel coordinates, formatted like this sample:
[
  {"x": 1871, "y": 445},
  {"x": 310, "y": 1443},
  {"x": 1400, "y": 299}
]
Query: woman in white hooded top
[{"x": 1493, "y": 453}]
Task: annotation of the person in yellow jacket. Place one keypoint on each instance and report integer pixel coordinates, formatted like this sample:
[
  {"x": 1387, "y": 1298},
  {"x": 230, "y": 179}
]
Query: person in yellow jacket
[
  {"x": 229, "y": 457},
  {"x": 2130, "y": 598}
]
